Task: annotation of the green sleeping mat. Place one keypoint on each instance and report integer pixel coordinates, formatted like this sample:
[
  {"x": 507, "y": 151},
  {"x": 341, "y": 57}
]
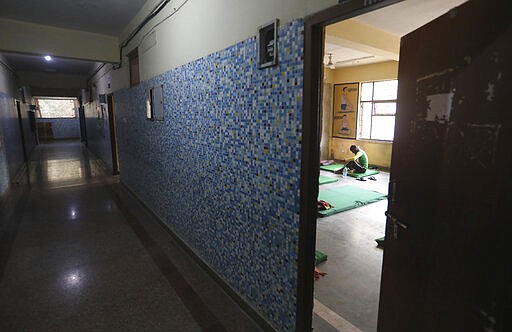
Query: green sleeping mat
[
  {"x": 362, "y": 175},
  {"x": 380, "y": 242},
  {"x": 319, "y": 257},
  {"x": 326, "y": 179},
  {"x": 346, "y": 198},
  {"x": 332, "y": 168}
]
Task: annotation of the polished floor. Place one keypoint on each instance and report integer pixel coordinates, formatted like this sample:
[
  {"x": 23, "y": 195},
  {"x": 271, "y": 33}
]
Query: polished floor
[
  {"x": 348, "y": 296},
  {"x": 78, "y": 253}
]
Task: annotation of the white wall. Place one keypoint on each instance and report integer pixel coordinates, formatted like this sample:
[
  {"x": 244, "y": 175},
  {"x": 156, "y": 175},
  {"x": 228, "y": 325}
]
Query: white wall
[
  {"x": 202, "y": 27},
  {"x": 7, "y": 79},
  {"x": 108, "y": 80}
]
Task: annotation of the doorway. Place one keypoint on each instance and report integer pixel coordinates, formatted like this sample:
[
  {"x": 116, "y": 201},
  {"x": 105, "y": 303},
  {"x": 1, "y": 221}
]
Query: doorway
[
  {"x": 113, "y": 133},
  {"x": 22, "y": 132},
  {"x": 316, "y": 58}
]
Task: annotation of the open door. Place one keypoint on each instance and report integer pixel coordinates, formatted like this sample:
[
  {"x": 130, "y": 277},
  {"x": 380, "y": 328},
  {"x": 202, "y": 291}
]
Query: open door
[
  {"x": 447, "y": 256},
  {"x": 113, "y": 133},
  {"x": 22, "y": 131}
]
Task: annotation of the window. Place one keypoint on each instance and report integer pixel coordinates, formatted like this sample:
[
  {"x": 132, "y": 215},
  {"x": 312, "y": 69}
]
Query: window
[
  {"x": 56, "y": 107},
  {"x": 376, "y": 118}
]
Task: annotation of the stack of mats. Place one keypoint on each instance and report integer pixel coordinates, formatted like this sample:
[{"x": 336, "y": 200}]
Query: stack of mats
[{"x": 346, "y": 198}]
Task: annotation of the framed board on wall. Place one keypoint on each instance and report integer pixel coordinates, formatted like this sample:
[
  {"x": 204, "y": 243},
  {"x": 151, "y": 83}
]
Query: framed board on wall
[{"x": 346, "y": 99}]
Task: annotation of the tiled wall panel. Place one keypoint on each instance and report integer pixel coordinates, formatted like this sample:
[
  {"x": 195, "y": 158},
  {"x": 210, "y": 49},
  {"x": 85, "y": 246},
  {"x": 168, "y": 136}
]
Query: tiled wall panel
[
  {"x": 64, "y": 128},
  {"x": 98, "y": 134},
  {"x": 222, "y": 169},
  {"x": 11, "y": 151}
]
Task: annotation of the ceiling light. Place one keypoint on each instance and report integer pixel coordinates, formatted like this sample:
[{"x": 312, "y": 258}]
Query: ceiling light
[
  {"x": 48, "y": 58},
  {"x": 330, "y": 64}
]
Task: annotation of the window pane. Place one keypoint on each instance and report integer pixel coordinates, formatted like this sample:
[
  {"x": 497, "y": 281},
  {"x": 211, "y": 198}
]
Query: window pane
[
  {"x": 385, "y": 109},
  {"x": 365, "y": 121},
  {"x": 366, "y": 91},
  {"x": 383, "y": 128},
  {"x": 385, "y": 90},
  {"x": 57, "y": 108}
]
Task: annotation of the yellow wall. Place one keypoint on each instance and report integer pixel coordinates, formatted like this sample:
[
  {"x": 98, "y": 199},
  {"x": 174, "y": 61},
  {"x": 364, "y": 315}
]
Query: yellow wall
[
  {"x": 379, "y": 153},
  {"x": 373, "y": 72}
]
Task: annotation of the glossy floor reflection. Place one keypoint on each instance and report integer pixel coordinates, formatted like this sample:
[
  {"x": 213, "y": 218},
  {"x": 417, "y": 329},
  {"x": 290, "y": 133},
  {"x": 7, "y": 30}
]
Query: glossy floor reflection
[{"x": 81, "y": 254}]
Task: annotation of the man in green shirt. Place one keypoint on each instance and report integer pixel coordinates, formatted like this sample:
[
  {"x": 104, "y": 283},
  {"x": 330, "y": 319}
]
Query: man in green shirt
[{"x": 359, "y": 164}]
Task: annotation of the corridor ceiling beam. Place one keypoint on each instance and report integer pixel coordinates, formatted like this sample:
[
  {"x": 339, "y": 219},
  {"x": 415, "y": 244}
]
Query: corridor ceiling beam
[{"x": 29, "y": 38}]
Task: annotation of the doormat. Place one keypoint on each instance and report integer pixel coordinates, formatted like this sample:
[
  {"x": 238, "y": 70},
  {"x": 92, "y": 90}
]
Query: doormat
[{"x": 346, "y": 198}]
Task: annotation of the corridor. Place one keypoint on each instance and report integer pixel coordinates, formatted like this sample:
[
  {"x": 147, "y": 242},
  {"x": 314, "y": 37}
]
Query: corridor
[{"x": 79, "y": 253}]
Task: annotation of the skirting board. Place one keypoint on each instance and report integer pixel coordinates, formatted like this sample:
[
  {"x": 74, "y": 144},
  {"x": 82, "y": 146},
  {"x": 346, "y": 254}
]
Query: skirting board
[{"x": 246, "y": 307}]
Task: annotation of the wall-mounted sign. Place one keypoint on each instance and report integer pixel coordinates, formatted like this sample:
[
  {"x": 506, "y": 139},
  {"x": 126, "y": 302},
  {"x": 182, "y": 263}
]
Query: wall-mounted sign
[
  {"x": 267, "y": 44},
  {"x": 155, "y": 104},
  {"x": 346, "y": 97}
]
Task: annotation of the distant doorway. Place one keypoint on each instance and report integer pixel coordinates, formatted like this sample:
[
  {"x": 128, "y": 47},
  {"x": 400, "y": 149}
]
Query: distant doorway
[
  {"x": 113, "y": 133},
  {"x": 22, "y": 136}
]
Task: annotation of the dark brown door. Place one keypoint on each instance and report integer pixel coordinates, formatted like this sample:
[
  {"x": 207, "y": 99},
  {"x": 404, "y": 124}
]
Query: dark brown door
[
  {"x": 447, "y": 259},
  {"x": 22, "y": 131},
  {"x": 113, "y": 133}
]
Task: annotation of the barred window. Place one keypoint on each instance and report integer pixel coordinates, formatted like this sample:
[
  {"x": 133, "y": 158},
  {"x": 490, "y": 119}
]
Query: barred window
[
  {"x": 376, "y": 120},
  {"x": 52, "y": 108}
]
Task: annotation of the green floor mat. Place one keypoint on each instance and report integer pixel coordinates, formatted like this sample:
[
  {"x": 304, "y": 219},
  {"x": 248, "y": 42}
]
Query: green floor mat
[
  {"x": 380, "y": 242},
  {"x": 332, "y": 168},
  {"x": 362, "y": 175},
  {"x": 320, "y": 257},
  {"x": 346, "y": 198},
  {"x": 326, "y": 179}
]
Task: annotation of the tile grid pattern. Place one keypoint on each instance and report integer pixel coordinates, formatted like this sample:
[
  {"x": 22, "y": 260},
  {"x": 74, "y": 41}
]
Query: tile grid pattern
[
  {"x": 64, "y": 128},
  {"x": 11, "y": 154},
  {"x": 222, "y": 169},
  {"x": 97, "y": 128}
]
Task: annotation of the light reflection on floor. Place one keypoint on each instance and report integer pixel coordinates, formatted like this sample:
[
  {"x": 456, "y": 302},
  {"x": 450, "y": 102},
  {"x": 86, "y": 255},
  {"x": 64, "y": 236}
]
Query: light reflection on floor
[{"x": 61, "y": 164}]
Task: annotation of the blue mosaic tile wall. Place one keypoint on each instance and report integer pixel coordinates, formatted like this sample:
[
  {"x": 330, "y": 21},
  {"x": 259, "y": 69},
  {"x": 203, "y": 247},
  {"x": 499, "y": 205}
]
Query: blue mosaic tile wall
[
  {"x": 222, "y": 169},
  {"x": 5, "y": 102},
  {"x": 64, "y": 128},
  {"x": 98, "y": 135},
  {"x": 11, "y": 151}
]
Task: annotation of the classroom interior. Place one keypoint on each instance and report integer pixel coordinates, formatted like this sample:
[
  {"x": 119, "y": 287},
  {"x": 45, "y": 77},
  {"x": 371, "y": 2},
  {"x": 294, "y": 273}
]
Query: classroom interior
[{"x": 362, "y": 55}]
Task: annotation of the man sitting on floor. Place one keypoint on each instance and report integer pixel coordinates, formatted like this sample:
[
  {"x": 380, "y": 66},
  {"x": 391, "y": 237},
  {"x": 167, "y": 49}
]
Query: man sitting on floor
[{"x": 359, "y": 164}]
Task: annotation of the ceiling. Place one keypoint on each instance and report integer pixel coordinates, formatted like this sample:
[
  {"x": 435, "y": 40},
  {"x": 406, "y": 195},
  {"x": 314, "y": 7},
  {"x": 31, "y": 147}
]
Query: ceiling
[
  {"x": 397, "y": 20},
  {"x": 37, "y": 63},
  {"x": 107, "y": 17},
  {"x": 406, "y": 16}
]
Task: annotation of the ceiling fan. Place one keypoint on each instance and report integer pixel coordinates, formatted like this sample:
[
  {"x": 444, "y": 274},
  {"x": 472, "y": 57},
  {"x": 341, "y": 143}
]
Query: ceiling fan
[{"x": 329, "y": 64}]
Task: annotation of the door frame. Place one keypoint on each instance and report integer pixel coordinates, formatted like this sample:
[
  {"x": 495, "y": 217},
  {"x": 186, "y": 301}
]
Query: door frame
[
  {"x": 22, "y": 131},
  {"x": 312, "y": 100},
  {"x": 113, "y": 133}
]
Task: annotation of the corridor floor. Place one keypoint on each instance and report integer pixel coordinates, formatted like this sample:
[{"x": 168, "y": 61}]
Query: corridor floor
[{"x": 79, "y": 253}]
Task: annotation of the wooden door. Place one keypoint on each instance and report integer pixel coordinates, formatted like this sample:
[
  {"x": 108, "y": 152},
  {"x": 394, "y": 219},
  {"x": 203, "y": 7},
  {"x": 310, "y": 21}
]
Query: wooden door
[
  {"x": 22, "y": 131},
  {"x": 447, "y": 259},
  {"x": 113, "y": 133}
]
